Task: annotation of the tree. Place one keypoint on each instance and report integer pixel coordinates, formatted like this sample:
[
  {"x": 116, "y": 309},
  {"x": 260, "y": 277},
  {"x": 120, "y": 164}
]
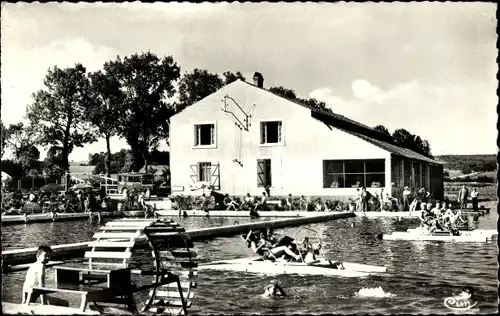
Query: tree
[
  {"x": 405, "y": 139},
  {"x": 52, "y": 165},
  {"x": 230, "y": 77},
  {"x": 4, "y": 135},
  {"x": 145, "y": 80},
  {"x": 28, "y": 156},
  {"x": 58, "y": 113},
  {"x": 382, "y": 129},
  {"x": 315, "y": 104},
  {"x": 197, "y": 85},
  {"x": 284, "y": 92},
  {"x": 19, "y": 138},
  {"x": 104, "y": 112}
]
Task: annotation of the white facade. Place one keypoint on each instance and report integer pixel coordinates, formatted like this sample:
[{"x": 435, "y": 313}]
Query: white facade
[{"x": 207, "y": 145}]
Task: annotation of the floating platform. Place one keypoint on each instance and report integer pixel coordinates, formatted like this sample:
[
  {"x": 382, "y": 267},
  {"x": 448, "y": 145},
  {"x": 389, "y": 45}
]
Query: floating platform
[
  {"x": 465, "y": 236},
  {"x": 319, "y": 267},
  {"x": 38, "y": 309},
  {"x": 484, "y": 232}
]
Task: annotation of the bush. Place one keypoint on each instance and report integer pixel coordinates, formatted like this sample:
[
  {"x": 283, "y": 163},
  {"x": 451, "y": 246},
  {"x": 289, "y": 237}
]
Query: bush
[{"x": 485, "y": 179}]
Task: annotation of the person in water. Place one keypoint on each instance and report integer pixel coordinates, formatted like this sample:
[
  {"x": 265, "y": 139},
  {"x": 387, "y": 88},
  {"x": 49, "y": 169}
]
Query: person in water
[
  {"x": 274, "y": 290},
  {"x": 467, "y": 293}
]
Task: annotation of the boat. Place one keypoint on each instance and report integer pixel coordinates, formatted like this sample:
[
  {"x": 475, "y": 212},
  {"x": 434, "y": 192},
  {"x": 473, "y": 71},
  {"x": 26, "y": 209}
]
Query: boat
[
  {"x": 419, "y": 234},
  {"x": 319, "y": 266}
]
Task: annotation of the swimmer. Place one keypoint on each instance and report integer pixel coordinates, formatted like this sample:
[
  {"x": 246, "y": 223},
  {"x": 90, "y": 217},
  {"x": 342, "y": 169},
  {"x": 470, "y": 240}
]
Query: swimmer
[
  {"x": 273, "y": 290},
  {"x": 466, "y": 293}
]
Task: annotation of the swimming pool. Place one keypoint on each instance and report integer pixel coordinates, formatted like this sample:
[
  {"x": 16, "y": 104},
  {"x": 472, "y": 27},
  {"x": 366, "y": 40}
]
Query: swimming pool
[{"x": 421, "y": 274}]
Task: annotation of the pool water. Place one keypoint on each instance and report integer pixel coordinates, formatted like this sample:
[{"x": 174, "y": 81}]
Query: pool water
[{"x": 420, "y": 274}]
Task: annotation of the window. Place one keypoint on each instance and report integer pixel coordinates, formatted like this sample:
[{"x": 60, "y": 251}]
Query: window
[
  {"x": 204, "y": 173},
  {"x": 204, "y": 135},
  {"x": 263, "y": 172},
  {"x": 271, "y": 132},
  {"x": 354, "y": 173}
]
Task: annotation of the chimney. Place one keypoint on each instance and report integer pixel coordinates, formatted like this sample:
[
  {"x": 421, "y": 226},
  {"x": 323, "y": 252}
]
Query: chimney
[{"x": 258, "y": 80}]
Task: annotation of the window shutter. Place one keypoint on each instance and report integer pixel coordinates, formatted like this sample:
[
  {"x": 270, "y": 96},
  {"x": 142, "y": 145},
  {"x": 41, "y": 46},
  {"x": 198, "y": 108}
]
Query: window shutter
[
  {"x": 196, "y": 135},
  {"x": 280, "y": 132},
  {"x": 194, "y": 174},
  {"x": 261, "y": 173},
  {"x": 215, "y": 181},
  {"x": 263, "y": 133},
  {"x": 212, "y": 134}
]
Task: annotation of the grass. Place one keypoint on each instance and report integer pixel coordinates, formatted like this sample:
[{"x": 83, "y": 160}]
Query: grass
[{"x": 487, "y": 191}]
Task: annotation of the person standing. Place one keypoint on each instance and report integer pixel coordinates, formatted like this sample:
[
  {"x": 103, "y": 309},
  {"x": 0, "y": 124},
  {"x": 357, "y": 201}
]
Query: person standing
[
  {"x": 406, "y": 198},
  {"x": 462, "y": 197},
  {"x": 365, "y": 195},
  {"x": 474, "y": 196}
]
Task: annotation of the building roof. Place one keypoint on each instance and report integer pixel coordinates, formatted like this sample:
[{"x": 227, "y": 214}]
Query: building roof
[
  {"x": 394, "y": 149},
  {"x": 360, "y": 130}
]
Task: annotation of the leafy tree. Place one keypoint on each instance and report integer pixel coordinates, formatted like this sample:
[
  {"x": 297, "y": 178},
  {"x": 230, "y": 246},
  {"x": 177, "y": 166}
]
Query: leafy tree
[
  {"x": 58, "y": 114},
  {"x": 94, "y": 159},
  {"x": 145, "y": 80},
  {"x": 405, "y": 139},
  {"x": 160, "y": 157},
  {"x": 52, "y": 165},
  {"x": 104, "y": 112},
  {"x": 284, "y": 92},
  {"x": 230, "y": 77},
  {"x": 382, "y": 129},
  {"x": 4, "y": 135},
  {"x": 315, "y": 104},
  {"x": 19, "y": 138},
  {"x": 197, "y": 85},
  {"x": 12, "y": 168},
  {"x": 27, "y": 156}
]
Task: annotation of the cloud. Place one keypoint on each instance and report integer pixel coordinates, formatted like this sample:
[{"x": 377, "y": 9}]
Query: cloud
[
  {"x": 362, "y": 89},
  {"x": 23, "y": 71},
  {"x": 454, "y": 119}
]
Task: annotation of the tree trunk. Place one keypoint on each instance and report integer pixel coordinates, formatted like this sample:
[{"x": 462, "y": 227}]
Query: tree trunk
[
  {"x": 108, "y": 156},
  {"x": 145, "y": 157}
]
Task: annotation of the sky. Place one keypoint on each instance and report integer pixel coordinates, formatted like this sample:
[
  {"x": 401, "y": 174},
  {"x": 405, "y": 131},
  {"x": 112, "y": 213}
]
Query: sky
[{"x": 427, "y": 67}]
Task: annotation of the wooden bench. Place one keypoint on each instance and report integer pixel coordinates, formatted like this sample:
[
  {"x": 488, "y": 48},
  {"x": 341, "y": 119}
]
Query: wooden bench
[{"x": 274, "y": 202}]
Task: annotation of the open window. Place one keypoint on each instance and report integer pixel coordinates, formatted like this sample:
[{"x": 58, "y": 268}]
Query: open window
[
  {"x": 206, "y": 172},
  {"x": 271, "y": 132},
  {"x": 264, "y": 172},
  {"x": 204, "y": 135}
]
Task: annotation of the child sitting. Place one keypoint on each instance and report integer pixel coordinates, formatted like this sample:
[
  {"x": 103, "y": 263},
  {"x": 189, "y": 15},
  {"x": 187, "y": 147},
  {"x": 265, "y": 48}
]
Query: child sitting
[{"x": 36, "y": 277}]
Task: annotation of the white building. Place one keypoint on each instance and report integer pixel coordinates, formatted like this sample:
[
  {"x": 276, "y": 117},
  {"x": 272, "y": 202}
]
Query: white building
[{"x": 243, "y": 137}]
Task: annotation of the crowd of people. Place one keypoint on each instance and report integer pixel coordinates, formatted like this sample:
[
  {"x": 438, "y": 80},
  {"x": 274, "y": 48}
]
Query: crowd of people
[
  {"x": 443, "y": 217},
  {"x": 265, "y": 244},
  {"x": 72, "y": 201}
]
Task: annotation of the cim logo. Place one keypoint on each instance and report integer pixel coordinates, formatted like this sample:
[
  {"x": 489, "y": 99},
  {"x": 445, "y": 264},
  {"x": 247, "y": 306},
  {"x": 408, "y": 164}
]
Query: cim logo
[{"x": 458, "y": 303}]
